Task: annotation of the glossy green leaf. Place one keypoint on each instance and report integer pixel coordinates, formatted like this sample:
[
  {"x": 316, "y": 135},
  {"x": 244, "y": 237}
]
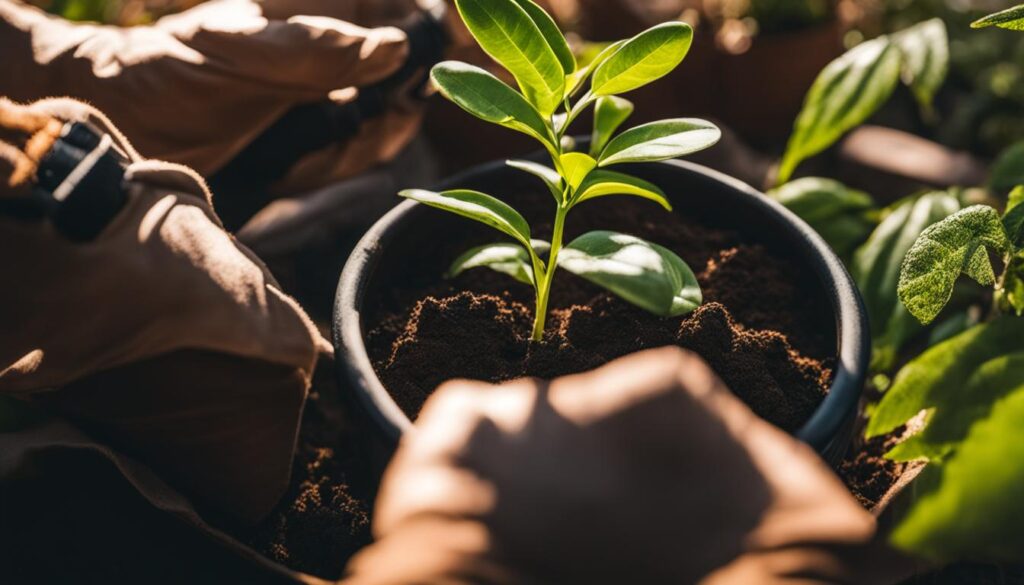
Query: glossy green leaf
[
  {"x": 550, "y": 176},
  {"x": 602, "y": 182},
  {"x": 486, "y": 97},
  {"x": 646, "y": 57},
  {"x": 477, "y": 206},
  {"x": 1011, "y": 18},
  {"x": 845, "y": 94},
  {"x": 575, "y": 81},
  {"x": 576, "y": 166},
  {"x": 840, "y": 214},
  {"x": 955, "y": 245},
  {"x": 1013, "y": 219},
  {"x": 647, "y": 275},
  {"x": 551, "y": 33},
  {"x": 609, "y": 113},
  {"x": 925, "y": 49},
  {"x": 505, "y": 257},
  {"x": 876, "y": 266},
  {"x": 507, "y": 33},
  {"x": 660, "y": 140}
]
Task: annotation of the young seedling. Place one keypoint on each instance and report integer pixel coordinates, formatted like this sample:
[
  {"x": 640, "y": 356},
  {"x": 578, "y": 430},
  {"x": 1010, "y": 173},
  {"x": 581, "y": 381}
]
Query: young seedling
[{"x": 523, "y": 38}]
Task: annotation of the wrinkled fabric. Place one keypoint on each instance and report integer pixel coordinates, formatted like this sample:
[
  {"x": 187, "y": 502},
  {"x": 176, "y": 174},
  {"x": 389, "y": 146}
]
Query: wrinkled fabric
[
  {"x": 163, "y": 335},
  {"x": 196, "y": 87},
  {"x": 647, "y": 470}
]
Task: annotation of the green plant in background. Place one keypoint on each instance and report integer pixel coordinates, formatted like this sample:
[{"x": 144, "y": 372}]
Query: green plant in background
[
  {"x": 854, "y": 86},
  {"x": 1011, "y": 18},
  {"x": 524, "y": 39},
  {"x": 842, "y": 216}
]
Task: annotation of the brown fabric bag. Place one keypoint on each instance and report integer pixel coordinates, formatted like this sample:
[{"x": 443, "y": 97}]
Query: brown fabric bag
[{"x": 164, "y": 336}]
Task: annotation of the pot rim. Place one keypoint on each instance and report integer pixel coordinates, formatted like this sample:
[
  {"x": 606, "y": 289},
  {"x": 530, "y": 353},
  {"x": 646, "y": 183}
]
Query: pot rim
[{"x": 828, "y": 429}]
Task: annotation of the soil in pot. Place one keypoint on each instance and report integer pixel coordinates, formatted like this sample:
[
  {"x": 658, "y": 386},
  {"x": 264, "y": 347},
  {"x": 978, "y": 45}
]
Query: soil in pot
[{"x": 763, "y": 327}]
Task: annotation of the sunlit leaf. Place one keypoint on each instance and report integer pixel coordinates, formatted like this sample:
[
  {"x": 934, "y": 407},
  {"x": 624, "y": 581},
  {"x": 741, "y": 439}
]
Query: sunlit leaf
[
  {"x": 647, "y": 275},
  {"x": 507, "y": 33},
  {"x": 477, "y": 206},
  {"x": 1013, "y": 219},
  {"x": 609, "y": 113},
  {"x": 838, "y": 213},
  {"x": 576, "y": 166},
  {"x": 847, "y": 92},
  {"x": 660, "y": 140},
  {"x": 551, "y": 33},
  {"x": 601, "y": 183},
  {"x": 956, "y": 245},
  {"x": 1011, "y": 18},
  {"x": 646, "y": 57},
  {"x": 575, "y": 81},
  {"x": 925, "y": 49},
  {"x": 486, "y": 97},
  {"x": 550, "y": 176},
  {"x": 505, "y": 257}
]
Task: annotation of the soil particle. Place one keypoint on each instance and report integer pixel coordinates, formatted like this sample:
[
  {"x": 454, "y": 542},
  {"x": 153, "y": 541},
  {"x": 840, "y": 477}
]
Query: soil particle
[
  {"x": 322, "y": 521},
  {"x": 866, "y": 471}
]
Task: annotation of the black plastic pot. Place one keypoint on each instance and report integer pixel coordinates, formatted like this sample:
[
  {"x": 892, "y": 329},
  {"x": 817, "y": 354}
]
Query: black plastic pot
[{"x": 695, "y": 190}]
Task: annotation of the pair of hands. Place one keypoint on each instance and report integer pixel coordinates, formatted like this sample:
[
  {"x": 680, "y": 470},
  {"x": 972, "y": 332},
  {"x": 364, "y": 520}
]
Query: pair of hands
[{"x": 647, "y": 470}]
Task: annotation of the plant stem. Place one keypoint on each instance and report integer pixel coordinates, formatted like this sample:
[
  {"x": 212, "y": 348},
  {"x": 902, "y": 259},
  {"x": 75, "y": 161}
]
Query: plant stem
[{"x": 544, "y": 284}]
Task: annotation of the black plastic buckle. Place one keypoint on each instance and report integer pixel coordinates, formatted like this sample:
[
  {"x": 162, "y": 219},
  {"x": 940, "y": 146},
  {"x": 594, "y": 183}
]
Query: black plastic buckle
[{"x": 80, "y": 182}]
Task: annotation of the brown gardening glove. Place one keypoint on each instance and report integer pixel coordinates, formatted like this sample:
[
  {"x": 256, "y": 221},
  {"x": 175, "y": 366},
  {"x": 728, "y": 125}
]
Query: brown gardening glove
[
  {"x": 163, "y": 335},
  {"x": 647, "y": 470},
  {"x": 196, "y": 87}
]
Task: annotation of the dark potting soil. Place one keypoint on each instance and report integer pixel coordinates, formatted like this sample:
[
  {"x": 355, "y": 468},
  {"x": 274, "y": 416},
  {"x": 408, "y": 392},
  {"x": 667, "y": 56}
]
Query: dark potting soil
[
  {"x": 761, "y": 329},
  {"x": 324, "y": 518}
]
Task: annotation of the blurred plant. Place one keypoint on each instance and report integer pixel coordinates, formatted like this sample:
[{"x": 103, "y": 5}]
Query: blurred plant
[
  {"x": 116, "y": 12},
  {"x": 854, "y": 86},
  {"x": 842, "y": 216},
  {"x": 1011, "y": 18}
]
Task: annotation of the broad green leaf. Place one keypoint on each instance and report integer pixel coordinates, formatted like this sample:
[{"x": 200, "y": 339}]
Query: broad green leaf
[
  {"x": 507, "y": 33},
  {"x": 845, "y": 94},
  {"x": 477, "y": 206},
  {"x": 1013, "y": 219},
  {"x": 647, "y": 275},
  {"x": 1011, "y": 18},
  {"x": 609, "y": 113},
  {"x": 955, "y": 245},
  {"x": 549, "y": 175},
  {"x": 969, "y": 506},
  {"x": 505, "y": 257},
  {"x": 1010, "y": 295},
  {"x": 838, "y": 213},
  {"x": 486, "y": 97},
  {"x": 660, "y": 140},
  {"x": 576, "y": 166},
  {"x": 1008, "y": 169},
  {"x": 551, "y": 33},
  {"x": 876, "y": 267},
  {"x": 575, "y": 81},
  {"x": 600, "y": 183},
  {"x": 646, "y": 57},
  {"x": 939, "y": 378},
  {"x": 925, "y": 49}
]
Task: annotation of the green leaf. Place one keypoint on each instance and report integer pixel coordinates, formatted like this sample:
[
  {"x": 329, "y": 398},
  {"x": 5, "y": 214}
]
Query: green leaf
[
  {"x": 549, "y": 175},
  {"x": 504, "y": 257},
  {"x": 925, "y": 49},
  {"x": 1008, "y": 169},
  {"x": 838, "y": 213},
  {"x": 1011, "y": 18},
  {"x": 551, "y": 33},
  {"x": 876, "y": 265},
  {"x": 609, "y": 113},
  {"x": 603, "y": 182},
  {"x": 576, "y": 166},
  {"x": 647, "y": 275},
  {"x": 969, "y": 506},
  {"x": 646, "y": 57},
  {"x": 477, "y": 206},
  {"x": 1010, "y": 295},
  {"x": 1013, "y": 219},
  {"x": 486, "y": 97},
  {"x": 845, "y": 94},
  {"x": 507, "y": 33},
  {"x": 660, "y": 140},
  {"x": 955, "y": 245},
  {"x": 575, "y": 81}
]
